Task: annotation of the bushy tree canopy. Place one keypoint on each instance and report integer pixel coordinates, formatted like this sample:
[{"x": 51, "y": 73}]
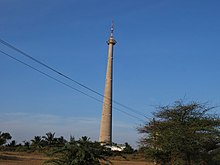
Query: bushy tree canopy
[
  {"x": 182, "y": 134},
  {"x": 4, "y": 137},
  {"x": 80, "y": 152}
]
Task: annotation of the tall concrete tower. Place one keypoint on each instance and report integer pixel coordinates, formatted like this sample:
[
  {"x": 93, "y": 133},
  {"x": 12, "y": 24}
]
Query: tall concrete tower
[{"x": 106, "y": 123}]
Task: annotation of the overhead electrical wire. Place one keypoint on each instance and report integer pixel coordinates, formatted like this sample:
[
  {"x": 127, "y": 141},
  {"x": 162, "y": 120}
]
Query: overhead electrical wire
[
  {"x": 67, "y": 77},
  {"x": 65, "y": 84}
]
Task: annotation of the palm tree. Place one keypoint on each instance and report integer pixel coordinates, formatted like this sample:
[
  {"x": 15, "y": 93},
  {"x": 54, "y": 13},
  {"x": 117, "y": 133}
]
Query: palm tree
[
  {"x": 37, "y": 142},
  {"x": 50, "y": 138},
  {"x": 61, "y": 141},
  {"x": 81, "y": 152},
  {"x": 26, "y": 145}
]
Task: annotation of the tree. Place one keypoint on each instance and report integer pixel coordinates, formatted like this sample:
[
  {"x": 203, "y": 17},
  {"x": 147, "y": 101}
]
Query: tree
[
  {"x": 61, "y": 141},
  {"x": 26, "y": 145},
  {"x": 182, "y": 134},
  {"x": 4, "y": 137},
  {"x": 13, "y": 143},
  {"x": 128, "y": 149},
  {"x": 50, "y": 138},
  {"x": 37, "y": 142},
  {"x": 80, "y": 152}
]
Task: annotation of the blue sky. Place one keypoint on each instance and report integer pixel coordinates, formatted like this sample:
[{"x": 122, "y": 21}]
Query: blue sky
[{"x": 166, "y": 50}]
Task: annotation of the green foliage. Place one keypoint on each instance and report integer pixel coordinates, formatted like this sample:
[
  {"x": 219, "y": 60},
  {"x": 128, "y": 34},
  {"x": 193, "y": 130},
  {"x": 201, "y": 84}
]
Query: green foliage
[
  {"x": 81, "y": 152},
  {"x": 49, "y": 139},
  {"x": 37, "y": 142},
  {"x": 182, "y": 134},
  {"x": 4, "y": 137},
  {"x": 215, "y": 159},
  {"x": 128, "y": 149},
  {"x": 12, "y": 144}
]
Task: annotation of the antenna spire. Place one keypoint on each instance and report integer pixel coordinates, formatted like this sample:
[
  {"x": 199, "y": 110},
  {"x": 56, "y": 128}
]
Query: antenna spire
[{"x": 112, "y": 29}]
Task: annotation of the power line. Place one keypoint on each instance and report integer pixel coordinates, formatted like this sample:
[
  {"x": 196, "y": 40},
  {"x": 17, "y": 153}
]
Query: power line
[
  {"x": 67, "y": 77},
  {"x": 65, "y": 84}
]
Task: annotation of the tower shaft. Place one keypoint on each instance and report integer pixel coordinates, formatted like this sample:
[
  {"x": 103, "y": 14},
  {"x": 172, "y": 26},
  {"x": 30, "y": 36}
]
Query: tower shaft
[{"x": 106, "y": 122}]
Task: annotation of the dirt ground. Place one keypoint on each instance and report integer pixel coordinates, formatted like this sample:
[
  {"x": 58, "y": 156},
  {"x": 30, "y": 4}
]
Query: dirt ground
[{"x": 18, "y": 158}]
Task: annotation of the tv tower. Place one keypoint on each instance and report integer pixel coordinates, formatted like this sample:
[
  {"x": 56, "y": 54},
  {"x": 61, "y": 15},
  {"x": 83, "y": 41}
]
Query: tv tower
[{"x": 106, "y": 122}]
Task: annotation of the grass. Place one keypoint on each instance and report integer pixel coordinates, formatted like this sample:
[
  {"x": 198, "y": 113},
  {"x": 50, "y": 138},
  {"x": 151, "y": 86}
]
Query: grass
[
  {"x": 24, "y": 158},
  {"x": 21, "y": 158}
]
